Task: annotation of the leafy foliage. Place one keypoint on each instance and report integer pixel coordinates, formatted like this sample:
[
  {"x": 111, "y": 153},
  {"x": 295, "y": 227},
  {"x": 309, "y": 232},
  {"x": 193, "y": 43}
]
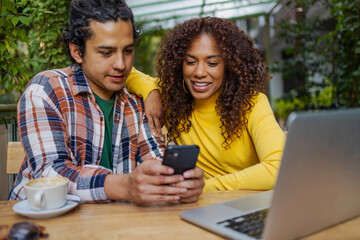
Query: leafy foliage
[
  {"x": 30, "y": 39},
  {"x": 329, "y": 48},
  {"x": 312, "y": 97},
  {"x": 30, "y": 32},
  {"x": 345, "y": 40}
]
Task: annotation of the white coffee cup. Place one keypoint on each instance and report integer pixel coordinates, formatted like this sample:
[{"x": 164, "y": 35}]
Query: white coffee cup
[{"x": 46, "y": 193}]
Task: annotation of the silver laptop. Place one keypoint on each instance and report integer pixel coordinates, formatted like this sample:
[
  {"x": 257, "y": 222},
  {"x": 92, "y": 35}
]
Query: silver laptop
[{"x": 317, "y": 186}]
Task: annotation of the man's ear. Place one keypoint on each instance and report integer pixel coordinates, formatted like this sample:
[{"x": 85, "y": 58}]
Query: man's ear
[{"x": 75, "y": 52}]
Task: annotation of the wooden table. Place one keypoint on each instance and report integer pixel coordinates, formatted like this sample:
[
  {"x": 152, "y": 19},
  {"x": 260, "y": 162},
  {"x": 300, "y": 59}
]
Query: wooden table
[{"x": 124, "y": 220}]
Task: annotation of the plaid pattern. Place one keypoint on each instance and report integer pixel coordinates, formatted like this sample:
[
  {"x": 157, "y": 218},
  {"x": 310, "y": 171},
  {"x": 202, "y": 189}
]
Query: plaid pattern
[{"x": 62, "y": 130}]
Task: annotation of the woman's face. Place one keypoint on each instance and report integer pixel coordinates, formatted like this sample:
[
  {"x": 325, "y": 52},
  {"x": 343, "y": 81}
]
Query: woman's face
[{"x": 203, "y": 67}]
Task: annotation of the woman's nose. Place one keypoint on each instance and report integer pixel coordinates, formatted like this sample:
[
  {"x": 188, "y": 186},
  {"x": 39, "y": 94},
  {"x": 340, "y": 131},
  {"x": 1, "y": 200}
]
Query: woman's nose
[{"x": 200, "y": 71}]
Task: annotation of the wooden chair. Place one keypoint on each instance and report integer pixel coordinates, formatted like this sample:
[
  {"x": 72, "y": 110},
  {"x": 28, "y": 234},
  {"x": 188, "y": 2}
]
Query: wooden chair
[{"x": 15, "y": 157}]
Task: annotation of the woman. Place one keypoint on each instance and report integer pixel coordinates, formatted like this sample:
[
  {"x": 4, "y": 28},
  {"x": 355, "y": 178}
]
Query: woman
[
  {"x": 211, "y": 80},
  {"x": 212, "y": 84}
]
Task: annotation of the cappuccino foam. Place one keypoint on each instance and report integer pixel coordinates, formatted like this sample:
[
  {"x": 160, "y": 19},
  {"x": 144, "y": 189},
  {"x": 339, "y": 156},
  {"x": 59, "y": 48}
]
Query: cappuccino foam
[{"x": 46, "y": 182}]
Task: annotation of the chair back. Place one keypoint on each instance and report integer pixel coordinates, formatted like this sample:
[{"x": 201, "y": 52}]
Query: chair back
[{"x": 15, "y": 157}]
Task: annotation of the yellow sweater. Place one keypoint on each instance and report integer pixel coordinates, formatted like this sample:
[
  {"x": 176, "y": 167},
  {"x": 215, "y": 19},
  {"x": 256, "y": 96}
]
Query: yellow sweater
[
  {"x": 140, "y": 83},
  {"x": 252, "y": 162}
]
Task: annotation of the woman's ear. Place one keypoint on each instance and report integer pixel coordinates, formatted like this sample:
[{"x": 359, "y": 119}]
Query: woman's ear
[{"x": 75, "y": 52}]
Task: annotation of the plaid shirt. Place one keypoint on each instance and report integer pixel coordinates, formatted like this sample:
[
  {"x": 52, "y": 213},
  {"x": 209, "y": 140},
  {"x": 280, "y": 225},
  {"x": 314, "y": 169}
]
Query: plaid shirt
[{"x": 62, "y": 130}]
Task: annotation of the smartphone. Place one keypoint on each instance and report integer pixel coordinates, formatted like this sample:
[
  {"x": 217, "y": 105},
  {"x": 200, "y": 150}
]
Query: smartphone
[{"x": 181, "y": 157}]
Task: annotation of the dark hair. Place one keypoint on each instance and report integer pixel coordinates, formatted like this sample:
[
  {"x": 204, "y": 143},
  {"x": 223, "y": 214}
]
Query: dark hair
[
  {"x": 82, "y": 12},
  {"x": 245, "y": 72}
]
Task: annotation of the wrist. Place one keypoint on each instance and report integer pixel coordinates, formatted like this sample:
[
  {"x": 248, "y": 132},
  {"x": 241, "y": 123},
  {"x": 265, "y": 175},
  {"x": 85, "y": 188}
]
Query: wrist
[{"x": 116, "y": 187}]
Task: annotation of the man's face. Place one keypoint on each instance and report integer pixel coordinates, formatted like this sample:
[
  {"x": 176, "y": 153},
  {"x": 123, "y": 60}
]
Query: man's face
[{"x": 108, "y": 56}]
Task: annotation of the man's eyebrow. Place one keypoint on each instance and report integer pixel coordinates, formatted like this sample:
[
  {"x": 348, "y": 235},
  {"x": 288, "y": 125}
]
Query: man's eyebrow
[
  {"x": 105, "y": 47},
  {"x": 110, "y": 47},
  {"x": 211, "y": 56},
  {"x": 130, "y": 45}
]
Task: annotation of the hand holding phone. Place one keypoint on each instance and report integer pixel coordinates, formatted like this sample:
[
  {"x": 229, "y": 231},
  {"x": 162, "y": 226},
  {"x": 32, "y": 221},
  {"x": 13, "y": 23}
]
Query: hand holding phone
[{"x": 181, "y": 157}]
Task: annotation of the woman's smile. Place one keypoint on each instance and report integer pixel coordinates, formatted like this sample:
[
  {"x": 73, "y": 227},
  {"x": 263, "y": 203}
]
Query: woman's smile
[{"x": 201, "y": 86}]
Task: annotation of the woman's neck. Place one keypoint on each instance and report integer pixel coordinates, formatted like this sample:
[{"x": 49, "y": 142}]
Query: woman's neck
[{"x": 208, "y": 104}]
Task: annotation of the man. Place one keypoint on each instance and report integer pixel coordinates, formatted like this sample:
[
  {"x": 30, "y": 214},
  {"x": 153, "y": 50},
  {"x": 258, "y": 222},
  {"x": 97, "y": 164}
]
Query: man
[{"x": 80, "y": 122}]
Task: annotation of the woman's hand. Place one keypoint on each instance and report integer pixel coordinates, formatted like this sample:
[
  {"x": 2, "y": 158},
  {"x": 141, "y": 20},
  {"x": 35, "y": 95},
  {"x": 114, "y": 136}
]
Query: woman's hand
[
  {"x": 153, "y": 112},
  {"x": 194, "y": 183}
]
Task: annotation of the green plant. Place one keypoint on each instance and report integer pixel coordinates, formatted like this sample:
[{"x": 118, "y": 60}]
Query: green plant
[
  {"x": 304, "y": 56},
  {"x": 345, "y": 44},
  {"x": 30, "y": 42},
  {"x": 311, "y": 97},
  {"x": 30, "y": 39},
  {"x": 329, "y": 48}
]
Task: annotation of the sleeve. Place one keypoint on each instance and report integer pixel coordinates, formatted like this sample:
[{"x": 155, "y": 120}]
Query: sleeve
[
  {"x": 42, "y": 129},
  {"x": 140, "y": 83},
  {"x": 269, "y": 140}
]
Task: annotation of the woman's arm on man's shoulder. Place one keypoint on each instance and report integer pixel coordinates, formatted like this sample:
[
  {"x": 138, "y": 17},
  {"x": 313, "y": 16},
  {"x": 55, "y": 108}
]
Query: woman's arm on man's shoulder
[{"x": 146, "y": 87}]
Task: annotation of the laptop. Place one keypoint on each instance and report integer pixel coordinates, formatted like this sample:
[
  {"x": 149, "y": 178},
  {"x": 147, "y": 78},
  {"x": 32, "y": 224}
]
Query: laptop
[{"x": 317, "y": 185}]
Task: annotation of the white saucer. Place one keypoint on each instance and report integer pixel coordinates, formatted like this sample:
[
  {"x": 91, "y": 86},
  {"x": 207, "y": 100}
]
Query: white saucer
[{"x": 24, "y": 209}]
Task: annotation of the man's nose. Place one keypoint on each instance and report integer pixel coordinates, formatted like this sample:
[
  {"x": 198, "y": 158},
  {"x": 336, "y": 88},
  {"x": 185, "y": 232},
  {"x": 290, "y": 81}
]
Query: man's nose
[{"x": 119, "y": 63}]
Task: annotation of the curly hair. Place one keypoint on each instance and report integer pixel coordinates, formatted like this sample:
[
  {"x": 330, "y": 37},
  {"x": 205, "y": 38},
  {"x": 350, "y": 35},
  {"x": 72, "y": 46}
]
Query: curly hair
[
  {"x": 244, "y": 76},
  {"x": 82, "y": 12}
]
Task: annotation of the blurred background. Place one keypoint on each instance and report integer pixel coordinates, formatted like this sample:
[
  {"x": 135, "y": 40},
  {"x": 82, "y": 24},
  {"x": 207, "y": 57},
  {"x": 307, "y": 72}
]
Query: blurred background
[{"x": 312, "y": 48}]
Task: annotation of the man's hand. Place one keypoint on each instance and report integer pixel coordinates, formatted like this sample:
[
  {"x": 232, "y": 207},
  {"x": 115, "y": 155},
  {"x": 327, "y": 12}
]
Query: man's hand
[
  {"x": 149, "y": 182},
  {"x": 153, "y": 112},
  {"x": 194, "y": 182}
]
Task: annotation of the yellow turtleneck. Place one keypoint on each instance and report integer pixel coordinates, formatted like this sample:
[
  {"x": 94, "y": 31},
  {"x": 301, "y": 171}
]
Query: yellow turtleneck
[
  {"x": 140, "y": 83},
  {"x": 253, "y": 160}
]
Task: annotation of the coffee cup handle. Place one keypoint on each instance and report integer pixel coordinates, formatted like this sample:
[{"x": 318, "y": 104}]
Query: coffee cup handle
[{"x": 39, "y": 199}]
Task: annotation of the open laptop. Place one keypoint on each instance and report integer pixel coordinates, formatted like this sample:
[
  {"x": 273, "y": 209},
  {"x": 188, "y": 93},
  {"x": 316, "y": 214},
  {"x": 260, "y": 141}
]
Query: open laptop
[{"x": 317, "y": 186}]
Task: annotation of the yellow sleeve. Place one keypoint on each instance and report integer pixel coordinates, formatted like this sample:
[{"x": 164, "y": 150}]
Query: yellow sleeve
[
  {"x": 140, "y": 83},
  {"x": 269, "y": 140}
]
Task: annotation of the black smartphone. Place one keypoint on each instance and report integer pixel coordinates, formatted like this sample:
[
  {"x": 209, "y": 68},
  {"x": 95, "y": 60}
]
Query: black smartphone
[{"x": 181, "y": 157}]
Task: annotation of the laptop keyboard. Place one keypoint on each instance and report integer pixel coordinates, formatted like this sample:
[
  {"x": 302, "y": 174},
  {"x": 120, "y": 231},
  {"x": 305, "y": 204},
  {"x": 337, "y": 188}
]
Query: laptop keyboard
[{"x": 251, "y": 224}]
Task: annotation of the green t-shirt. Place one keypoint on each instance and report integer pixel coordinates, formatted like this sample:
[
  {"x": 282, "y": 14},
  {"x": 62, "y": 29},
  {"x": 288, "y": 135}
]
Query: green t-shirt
[{"x": 107, "y": 107}]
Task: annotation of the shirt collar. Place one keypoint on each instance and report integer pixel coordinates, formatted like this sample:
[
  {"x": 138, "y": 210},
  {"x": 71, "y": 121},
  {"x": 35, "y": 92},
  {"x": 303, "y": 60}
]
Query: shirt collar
[{"x": 80, "y": 84}]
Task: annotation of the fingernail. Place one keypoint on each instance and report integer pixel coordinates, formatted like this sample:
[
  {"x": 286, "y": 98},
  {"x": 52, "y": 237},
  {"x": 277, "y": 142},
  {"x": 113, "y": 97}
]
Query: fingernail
[
  {"x": 187, "y": 175},
  {"x": 176, "y": 197},
  {"x": 183, "y": 190},
  {"x": 170, "y": 170}
]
